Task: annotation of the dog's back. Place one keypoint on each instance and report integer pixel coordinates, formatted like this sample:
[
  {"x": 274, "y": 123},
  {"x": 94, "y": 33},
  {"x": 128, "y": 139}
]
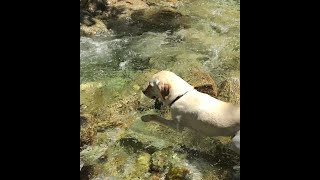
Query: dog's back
[{"x": 206, "y": 114}]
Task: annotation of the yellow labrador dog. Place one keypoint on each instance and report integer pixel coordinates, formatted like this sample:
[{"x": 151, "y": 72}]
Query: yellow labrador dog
[{"x": 193, "y": 109}]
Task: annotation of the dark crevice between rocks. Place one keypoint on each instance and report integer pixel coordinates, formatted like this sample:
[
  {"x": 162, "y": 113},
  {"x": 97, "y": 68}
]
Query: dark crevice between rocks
[
  {"x": 86, "y": 172},
  {"x": 86, "y": 132},
  {"x": 94, "y": 7},
  {"x": 83, "y": 120},
  {"x": 136, "y": 146},
  {"x": 222, "y": 157},
  {"x": 90, "y": 9}
]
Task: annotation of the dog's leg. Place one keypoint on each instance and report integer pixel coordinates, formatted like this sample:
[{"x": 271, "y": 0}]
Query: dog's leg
[
  {"x": 236, "y": 147},
  {"x": 169, "y": 123},
  {"x": 236, "y": 142}
]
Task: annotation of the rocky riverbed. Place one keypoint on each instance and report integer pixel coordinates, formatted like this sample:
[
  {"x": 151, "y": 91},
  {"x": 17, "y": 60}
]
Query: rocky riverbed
[{"x": 122, "y": 44}]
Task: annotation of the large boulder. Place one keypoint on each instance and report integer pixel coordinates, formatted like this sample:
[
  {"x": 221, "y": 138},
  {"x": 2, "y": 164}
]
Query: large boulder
[
  {"x": 203, "y": 82},
  {"x": 91, "y": 26}
]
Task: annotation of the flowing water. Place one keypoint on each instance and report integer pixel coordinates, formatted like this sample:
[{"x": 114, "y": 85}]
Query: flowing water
[{"x": 115, "y": 143}]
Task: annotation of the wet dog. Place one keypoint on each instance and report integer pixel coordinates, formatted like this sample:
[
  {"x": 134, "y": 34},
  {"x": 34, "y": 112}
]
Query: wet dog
[{"x": 193, "y": 109}]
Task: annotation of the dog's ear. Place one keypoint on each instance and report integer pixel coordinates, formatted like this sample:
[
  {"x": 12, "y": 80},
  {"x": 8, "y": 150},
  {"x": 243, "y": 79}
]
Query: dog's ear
[
  {"x": 165, "y": 90},
  {"x": 154, "y": 82}
]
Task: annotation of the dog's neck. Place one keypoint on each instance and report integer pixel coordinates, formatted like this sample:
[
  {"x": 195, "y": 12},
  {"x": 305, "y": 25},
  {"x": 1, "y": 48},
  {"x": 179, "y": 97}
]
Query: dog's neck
[
  {"x": 178, "y": 88},
  {"x": 178, "y": 97}
]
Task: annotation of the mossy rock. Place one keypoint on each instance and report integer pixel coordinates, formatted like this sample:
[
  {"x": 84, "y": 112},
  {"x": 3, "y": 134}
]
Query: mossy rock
[
  {"x": 230, "y": 90},
  {"x": 165, "y": 159},
  {"x": 177, "y": 173},
  {"x": 92, "y": 154},
  {"x": 203, "y": 82}
]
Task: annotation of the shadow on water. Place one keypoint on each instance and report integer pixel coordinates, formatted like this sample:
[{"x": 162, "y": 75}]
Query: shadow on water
[
  {"x": 150, "y": 20},
  {"x": 135, "y": 145},
  {"x": 136, "y": 22},
  {"x": 221, "y": 157}
]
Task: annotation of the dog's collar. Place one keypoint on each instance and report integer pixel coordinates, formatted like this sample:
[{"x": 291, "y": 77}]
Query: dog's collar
[{"x": 178, "y": 97}]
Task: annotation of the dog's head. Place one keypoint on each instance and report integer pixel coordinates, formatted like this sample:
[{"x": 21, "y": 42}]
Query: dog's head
[
  {"x": 156, "y": 89},
  {"x": 165, "y": 86}
]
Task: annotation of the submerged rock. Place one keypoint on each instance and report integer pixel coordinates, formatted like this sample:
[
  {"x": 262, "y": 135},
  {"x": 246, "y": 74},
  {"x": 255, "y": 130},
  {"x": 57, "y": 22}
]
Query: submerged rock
[
  {"x": 91, "y": 155},
  {"x": 102, "y": 126},
  {"x": 230, "y": 90},
  {"x": 87, "y": 129},
  {"x": 177, "y": 173},
  {"x": 143, "y": 162},
  {"x": 168, "y": 3},
  {"x": 152, "y": 19},
  {"x": 164, "y": 159},
  {"x": 142, "y": 143},
  {"x": 160, "y": 161}
]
